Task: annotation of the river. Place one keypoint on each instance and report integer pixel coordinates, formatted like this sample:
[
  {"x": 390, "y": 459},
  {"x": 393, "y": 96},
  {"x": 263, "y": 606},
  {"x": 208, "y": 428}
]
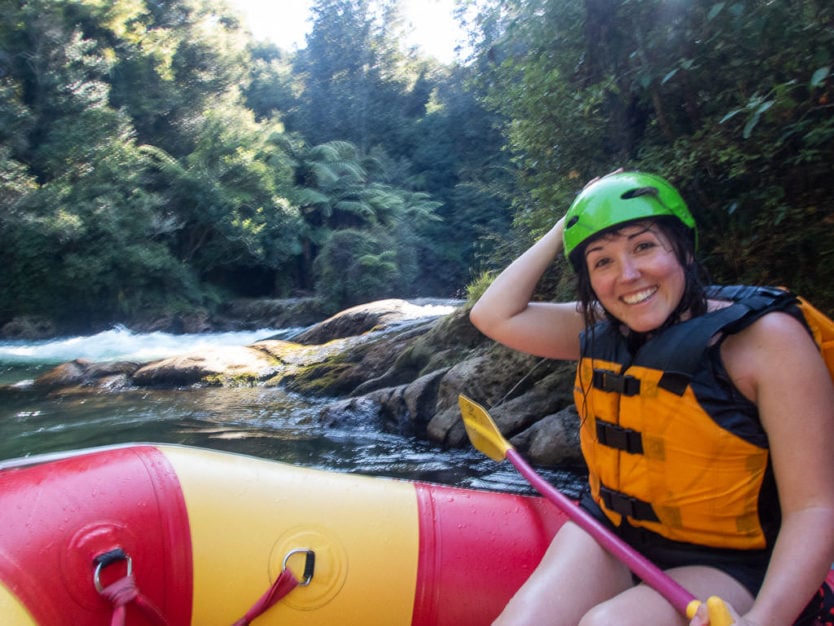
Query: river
[{"x": 258, "y": 421}]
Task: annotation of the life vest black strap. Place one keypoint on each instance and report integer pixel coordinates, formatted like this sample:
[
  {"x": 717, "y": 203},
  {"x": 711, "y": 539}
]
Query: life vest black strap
[
  {"x": 674, "y": 382},
  {"x": 629, "y": 506},
  {"x": 614, "y": 436},
  {"x": 606, "y": 380}
]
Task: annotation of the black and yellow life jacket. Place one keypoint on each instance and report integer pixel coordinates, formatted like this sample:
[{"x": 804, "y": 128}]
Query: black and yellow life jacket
[{"x": 670, "y": 443}]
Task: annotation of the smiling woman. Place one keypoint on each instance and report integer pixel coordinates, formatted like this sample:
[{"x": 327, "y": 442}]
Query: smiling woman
[
  {"x": 430, "y": 24},
  {"x": 699, "y": 451}
]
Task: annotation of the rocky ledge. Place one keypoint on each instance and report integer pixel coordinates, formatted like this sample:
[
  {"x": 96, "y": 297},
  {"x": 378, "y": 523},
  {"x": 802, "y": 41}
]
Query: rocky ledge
[{"x": 378, "y": 362}]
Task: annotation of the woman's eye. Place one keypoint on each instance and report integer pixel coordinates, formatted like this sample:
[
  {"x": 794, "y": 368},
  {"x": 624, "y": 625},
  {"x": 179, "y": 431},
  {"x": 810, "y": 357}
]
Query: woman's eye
[
  {"x": 601, "y": 262},
  {"x": 644, "y": 245}
]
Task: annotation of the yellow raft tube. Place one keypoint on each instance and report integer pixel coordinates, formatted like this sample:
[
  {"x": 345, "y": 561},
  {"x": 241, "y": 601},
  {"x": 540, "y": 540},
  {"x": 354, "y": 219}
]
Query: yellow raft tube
[{"x": 201, "y": 535}]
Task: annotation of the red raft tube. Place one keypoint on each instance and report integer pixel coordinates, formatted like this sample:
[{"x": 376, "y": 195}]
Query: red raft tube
[{"x": 159, "y": 534}]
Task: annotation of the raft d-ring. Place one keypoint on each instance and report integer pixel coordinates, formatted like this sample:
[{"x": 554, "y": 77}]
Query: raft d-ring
[
  {"x": 309, "y": 564},
  {"x": 103, "y": 560}
]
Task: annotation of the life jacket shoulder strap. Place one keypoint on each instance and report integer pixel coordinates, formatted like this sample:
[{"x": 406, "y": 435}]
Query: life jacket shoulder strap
[{"x": 818, "y": 323}]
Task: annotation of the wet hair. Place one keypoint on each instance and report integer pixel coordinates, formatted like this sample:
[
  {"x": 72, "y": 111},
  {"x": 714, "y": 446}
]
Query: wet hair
[{"x": 694, "y": 299}]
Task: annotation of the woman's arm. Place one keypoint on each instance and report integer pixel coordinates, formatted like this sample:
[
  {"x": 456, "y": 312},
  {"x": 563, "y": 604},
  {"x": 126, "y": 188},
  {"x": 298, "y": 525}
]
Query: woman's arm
[
  {"x": 776, "y": 363},
  {"x": 504, "y": 312}
]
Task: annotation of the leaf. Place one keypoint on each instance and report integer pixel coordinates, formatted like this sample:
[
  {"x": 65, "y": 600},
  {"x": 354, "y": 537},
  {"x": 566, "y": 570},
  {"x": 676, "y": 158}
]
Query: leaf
[
  {"x": 750, "y": 125},
  {"x": 764, "y": 106},
  {"x": 757, "y": 115},
  {"x": 730, "y": 115},
  {"x": 308, "y": 196},
  {"x": 715, "y": 10},
  {"x": 669, "y": 76},
  {"x": 818, "y": 79}
]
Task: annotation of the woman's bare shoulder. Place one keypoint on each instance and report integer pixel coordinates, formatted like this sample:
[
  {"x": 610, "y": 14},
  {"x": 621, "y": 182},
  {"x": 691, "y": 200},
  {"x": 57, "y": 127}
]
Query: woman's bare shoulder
[{"x": 761, "y": 352}]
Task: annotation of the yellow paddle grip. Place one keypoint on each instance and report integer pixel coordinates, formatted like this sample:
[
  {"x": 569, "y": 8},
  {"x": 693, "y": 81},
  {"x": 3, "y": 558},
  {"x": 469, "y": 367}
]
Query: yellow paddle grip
[{"x": 719, "y": 614}]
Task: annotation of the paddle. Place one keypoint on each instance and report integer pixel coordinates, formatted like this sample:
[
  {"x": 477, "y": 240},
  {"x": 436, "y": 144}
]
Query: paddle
[{"x": 485, "y": 436}]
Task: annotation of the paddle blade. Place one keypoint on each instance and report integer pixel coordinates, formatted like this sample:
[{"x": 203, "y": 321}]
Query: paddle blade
[{"x": 482, "y": 431}]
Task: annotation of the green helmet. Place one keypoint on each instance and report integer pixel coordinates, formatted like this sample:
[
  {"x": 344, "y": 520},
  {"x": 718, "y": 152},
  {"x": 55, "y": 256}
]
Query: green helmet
[{"x": 617, "y": 199}]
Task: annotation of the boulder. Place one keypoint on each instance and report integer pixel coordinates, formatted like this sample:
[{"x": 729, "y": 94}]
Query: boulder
[
  {"x": 552, "y": 440},
  {"x": 84, "y": 373},
  {"x": 361, "y": 319},
  {"x": 226, "y": 366}
]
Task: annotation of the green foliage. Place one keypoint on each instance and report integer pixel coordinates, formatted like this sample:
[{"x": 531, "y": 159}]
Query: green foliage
[
  {"x": 154, "y": 158},
  {"x": 357, "y": 87},
  {"x": 348, "y": 213},
  {"x": 97, "y": 230},
  {"x": 145, "y": 166},
  {"x": 231, "y": 193},
  {"x": 272, "y": 90},
  {"x": 356, "y": 266},
  {"x": 476, "y": 288}
]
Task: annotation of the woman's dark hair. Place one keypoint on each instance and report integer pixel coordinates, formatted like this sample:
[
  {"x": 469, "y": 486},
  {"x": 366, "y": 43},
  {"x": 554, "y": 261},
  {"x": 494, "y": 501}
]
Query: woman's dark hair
[{"x": 694, "y": 299}]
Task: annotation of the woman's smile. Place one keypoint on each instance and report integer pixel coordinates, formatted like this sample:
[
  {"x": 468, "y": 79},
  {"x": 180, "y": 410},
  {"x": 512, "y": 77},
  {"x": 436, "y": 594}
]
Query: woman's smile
[{"x": 640, "y": 296}]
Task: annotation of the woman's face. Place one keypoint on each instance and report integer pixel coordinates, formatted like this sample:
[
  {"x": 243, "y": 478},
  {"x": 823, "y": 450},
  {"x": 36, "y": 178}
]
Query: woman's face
[{"x": 636, "y": 275}]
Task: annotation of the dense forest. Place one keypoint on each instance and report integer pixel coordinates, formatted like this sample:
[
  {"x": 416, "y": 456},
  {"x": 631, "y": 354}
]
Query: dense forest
[{"x": 156, "y": 159}]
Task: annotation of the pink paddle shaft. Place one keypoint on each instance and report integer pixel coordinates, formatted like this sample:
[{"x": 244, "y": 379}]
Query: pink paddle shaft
[{"x": 647, "y": 571}]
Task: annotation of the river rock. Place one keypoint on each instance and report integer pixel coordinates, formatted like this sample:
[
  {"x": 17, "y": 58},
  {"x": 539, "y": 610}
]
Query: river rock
[
  {"x": 84, "y": 373},
  {"x": 217, "y": 366},
  {"x": 361, "y": 319},
  {"x": 552, "y": 440}
]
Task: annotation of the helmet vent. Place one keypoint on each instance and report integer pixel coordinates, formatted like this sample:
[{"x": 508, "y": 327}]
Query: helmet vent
[{"x": 640, "y": 191}]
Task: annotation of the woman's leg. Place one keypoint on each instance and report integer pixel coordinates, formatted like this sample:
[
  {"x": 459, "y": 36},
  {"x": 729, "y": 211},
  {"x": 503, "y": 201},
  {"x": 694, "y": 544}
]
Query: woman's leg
[
  {"x": 574, "y": 575},
  {"x": 643, "y": 606}
]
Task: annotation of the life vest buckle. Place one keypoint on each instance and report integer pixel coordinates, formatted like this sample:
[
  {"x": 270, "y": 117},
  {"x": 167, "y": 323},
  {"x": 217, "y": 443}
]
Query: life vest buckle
[
  {"x": 620, "y": 438},
  {"x": 607, "y": 380},
  {"x": 626, "y": 505}
]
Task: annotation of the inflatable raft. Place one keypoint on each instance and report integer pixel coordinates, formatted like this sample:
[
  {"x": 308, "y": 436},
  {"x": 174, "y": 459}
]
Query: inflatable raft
[{"x": 159, "y": 534}]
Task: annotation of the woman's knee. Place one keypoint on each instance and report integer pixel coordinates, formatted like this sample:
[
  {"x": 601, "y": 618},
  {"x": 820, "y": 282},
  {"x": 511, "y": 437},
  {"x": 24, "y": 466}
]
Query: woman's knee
[
  {"x": 600, "y": 615},
  {"x": 639, "y": 606}
]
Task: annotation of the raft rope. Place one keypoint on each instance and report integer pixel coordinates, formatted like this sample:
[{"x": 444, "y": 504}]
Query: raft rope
[
  {"x": 284, "y": 583},
  {"x": 124, "y": 590}
]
